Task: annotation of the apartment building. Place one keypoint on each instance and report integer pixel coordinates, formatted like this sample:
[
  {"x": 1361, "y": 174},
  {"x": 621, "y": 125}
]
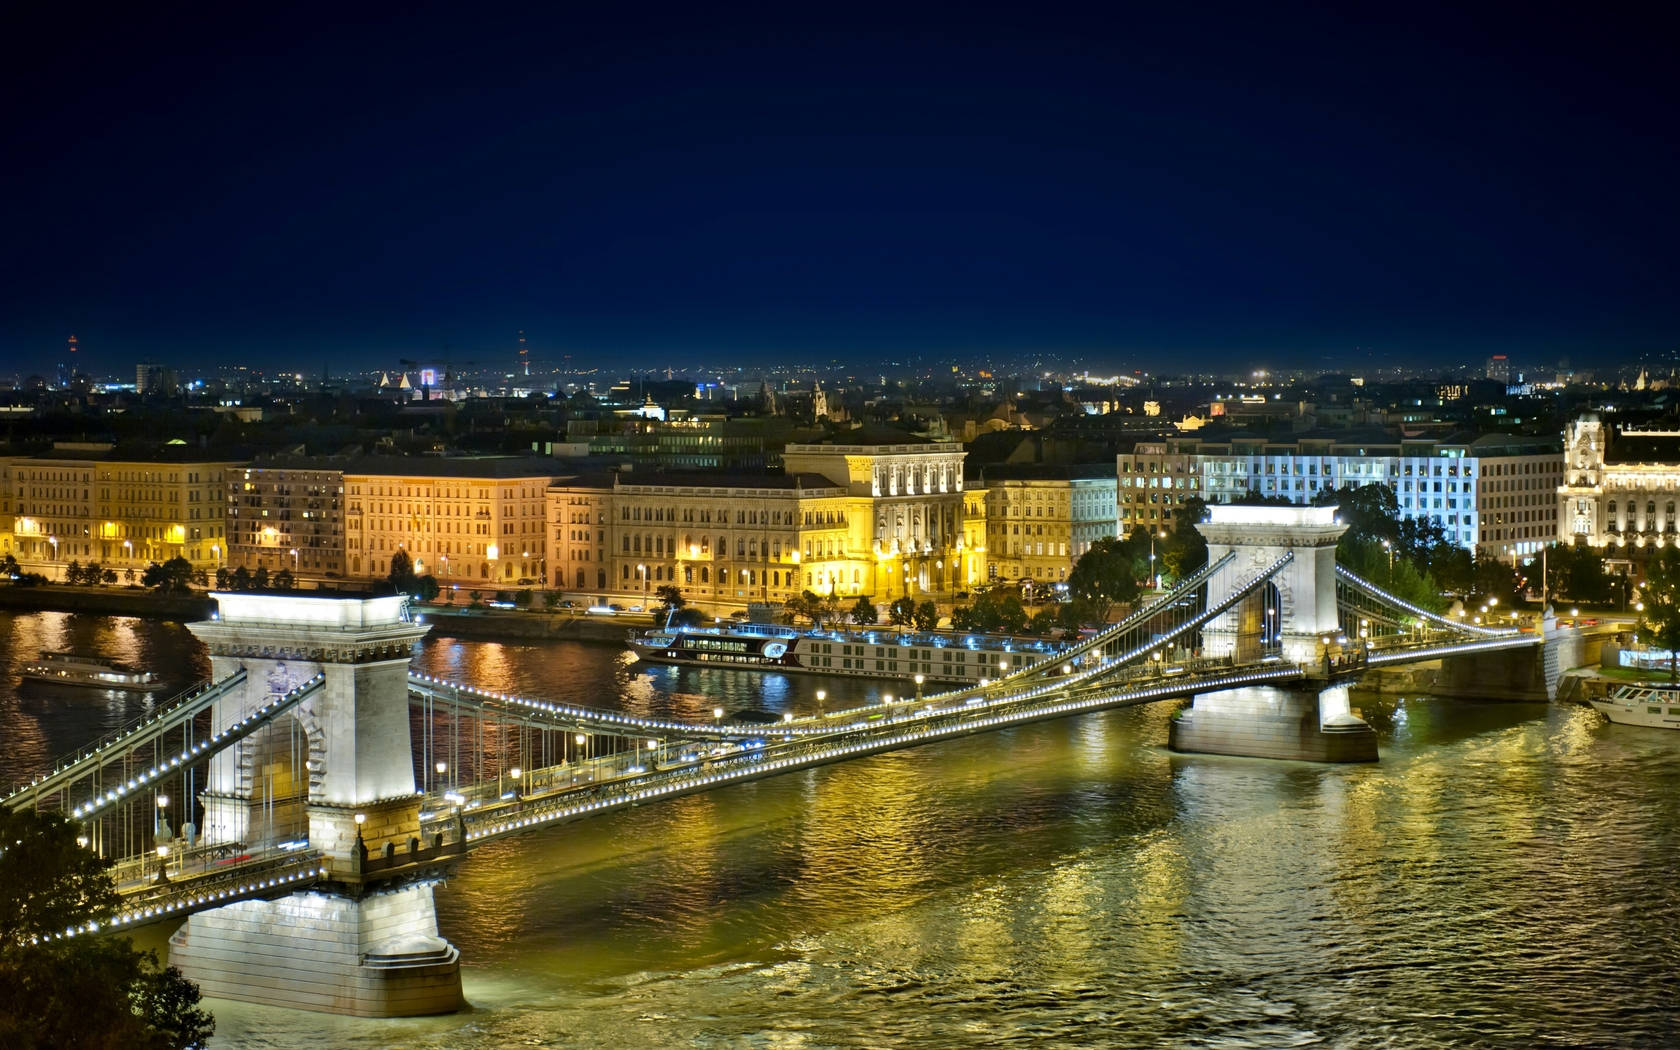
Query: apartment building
[
  {"x": 1493, "y": 494},
  {"x": 287, "y": 513},
  {"x": 468, "y": 520},
  {"x": 123, "y": 508},
  {"x": 1041, "y": 517}
]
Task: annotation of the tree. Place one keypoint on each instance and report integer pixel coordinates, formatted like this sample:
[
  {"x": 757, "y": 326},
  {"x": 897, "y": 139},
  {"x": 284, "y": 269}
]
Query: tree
[
  {"x": 1659, "y": 622},
  {"x": 902, "y": 612},
  {"x": 1043, "y": 623},
  {"x": 1105, "y": 574},
  {"x": 427, "y": 588},
  {"x": 9, "y": 566},
  {"x": 863, "y": 611},
  {"x": 223, "y": 579},
  {"x": 670, "y": 598},
  {"x": 259, "y": 579},
  {"x": 172, "y": 577},
  {"x": 73, "y": 572},
  {"x": 92, "y": 990},
  {"x": 1576, "y": 572},
  {"x": 551, "y": 599},
  {"x": 1185, "y": 548},
  {"x": 241, "y": 579},
  {"x": 927, "y": 616},
  {"x": 283, "y": 580},
  {"x": 402, "y": 577},
  {"x": 108, "y": 576}
]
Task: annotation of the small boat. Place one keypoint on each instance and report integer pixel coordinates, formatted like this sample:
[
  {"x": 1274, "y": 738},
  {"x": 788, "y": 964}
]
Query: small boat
[
  {"x": 91, "y": 671},
  {"x": 1643, "y": 704}
]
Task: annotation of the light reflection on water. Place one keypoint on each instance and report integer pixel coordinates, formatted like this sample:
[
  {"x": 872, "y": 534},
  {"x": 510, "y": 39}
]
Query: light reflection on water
[{"x": 1502, "y": 878}]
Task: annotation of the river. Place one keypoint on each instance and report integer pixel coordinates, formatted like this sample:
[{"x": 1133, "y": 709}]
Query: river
[{"x": 1506, "y": 876}]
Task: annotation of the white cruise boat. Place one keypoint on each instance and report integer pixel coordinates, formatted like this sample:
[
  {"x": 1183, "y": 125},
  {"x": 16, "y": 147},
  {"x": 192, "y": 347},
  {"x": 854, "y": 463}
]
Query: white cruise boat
[
  {"x": 873, "y": 652},
  {"x": 91, "y": 671},
  {"x": 1643, "y": 704}
]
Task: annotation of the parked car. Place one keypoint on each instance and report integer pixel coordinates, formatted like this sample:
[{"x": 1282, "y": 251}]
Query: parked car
[{"x": 615, "y": 607}]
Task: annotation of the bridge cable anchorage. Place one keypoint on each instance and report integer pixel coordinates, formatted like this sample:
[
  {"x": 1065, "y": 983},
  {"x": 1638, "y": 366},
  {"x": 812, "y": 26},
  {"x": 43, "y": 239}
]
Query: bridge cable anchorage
[
  {"x": 140, "y": 733},
  {"x": 230, "y": 734}
]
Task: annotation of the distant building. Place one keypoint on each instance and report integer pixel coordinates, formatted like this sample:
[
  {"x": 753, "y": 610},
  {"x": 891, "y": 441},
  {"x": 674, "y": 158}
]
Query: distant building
[
  {"x": 1619, "y": 486},
  {"x": 1493, "y": 495},
  {"x": 1040, "y": 518},
  {"x": 867, "y": 512},
  {"x": 468, "y": 520},
  {"x": 1499, "y": 368},
  {"x": 123, "y": 509},
  {"x": 287, "y": 513},
  {"x": 154, "y": 378}
]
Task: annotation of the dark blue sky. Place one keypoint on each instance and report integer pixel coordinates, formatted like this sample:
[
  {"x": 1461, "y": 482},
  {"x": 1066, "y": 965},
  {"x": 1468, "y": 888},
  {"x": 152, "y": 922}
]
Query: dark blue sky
[{"x": 669, "y": 184}]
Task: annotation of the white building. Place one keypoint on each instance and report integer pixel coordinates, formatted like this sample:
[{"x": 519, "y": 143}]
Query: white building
[
  {"x": 1620, "y": 486},
  {"x": 1492, "y": 494}
]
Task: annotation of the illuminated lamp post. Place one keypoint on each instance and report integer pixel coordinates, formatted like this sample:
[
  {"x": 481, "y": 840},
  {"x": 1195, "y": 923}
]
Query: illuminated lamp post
[
  {"x": 642, "y": 571},
  {"x": 919, "y": 680},
  {"x": 822, "y": 694}
]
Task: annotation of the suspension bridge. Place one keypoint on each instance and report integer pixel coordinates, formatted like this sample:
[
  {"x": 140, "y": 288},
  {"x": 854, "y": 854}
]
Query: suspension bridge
[{"x": 324, "y": 789}]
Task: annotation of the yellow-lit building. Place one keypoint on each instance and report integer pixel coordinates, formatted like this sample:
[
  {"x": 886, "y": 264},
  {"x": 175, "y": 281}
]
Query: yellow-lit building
[
  {"x": 1040, "y": 518},
  {"x": 911, "y": 489},
  {"x": 468, "y": 520},
  {"x": 884, "y": 517},
  {"x": 732, "y": 539},
  {"x": 88, "y": 503}
]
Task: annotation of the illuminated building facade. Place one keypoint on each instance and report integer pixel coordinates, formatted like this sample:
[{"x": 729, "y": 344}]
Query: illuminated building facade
[
  {"x": 287, "y": 513},
  {"x": 468, "y": 520},
  {"x": 122, "y": 510},
  {"x": 1041, "y": 517},
  {"x": 912, "y": 490},
  {"x": 1494, "y": 495},
  {"x": 1621, "y": 487}
]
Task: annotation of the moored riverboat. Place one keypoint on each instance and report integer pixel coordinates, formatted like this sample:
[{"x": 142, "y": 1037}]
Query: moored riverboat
[
  {"x": 938, "y": 656},
  {"x": 89, "y": 671},
  {"x": 1642, "y": 704}
]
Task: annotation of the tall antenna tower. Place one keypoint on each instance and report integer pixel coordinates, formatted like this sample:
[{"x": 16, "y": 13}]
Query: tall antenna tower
[{"x": 524, "y": 355}]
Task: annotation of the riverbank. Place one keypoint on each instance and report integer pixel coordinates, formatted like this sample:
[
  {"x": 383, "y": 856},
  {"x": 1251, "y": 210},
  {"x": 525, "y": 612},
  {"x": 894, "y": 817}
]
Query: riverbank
[{"x": 107, "y": 601}]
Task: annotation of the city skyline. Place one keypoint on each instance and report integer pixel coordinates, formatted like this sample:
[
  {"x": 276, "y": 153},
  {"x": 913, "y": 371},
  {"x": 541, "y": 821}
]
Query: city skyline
[{"x": 1133, "y": 192}]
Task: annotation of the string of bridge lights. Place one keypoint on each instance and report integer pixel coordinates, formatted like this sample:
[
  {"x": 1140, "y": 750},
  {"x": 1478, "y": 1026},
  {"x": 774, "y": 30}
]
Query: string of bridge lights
[
  {"x": 198, "y": 698},
  {"x": 215, "y": 742},
  {"x": 1422, "y": 613},
  {"x": 960, "y": 727}
]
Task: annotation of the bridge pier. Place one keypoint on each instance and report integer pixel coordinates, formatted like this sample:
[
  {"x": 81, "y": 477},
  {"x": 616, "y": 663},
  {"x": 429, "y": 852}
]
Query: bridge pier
[
  {"x": 373, "y": 949},
  {"x": 1307, "y": 723}
]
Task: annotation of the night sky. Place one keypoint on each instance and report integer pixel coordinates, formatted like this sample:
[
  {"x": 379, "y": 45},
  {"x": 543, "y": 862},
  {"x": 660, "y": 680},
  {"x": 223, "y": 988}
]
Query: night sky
[{"x": 639, "y": 184}]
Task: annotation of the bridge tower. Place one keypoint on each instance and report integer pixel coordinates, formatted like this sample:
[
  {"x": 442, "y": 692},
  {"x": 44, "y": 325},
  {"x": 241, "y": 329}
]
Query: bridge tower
[
  {"x": 339, "y": 773},
  {"x": 1291, "y": 618}
]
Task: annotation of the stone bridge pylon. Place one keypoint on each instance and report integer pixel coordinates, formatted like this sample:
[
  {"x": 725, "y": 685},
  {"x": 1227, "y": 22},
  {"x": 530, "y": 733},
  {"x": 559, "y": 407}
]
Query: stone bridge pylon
[
  {"x": 1287, "y": 618},
  {"x": 337, "y": 771}
]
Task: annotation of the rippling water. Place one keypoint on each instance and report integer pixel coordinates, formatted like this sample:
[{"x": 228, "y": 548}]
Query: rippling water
[{"x": 1504, "y": 877}]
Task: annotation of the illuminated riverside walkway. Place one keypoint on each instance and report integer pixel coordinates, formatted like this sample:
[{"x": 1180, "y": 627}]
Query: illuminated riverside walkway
[{"x": 337, "y": 788}]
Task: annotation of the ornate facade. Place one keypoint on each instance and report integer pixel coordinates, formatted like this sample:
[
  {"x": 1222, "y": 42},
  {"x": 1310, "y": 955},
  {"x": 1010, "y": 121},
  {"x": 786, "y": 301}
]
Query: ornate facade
[{"x": 1621, "y": 488}]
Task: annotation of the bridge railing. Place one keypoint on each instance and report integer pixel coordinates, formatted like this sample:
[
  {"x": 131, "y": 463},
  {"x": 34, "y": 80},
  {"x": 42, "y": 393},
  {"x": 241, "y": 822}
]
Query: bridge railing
[
  {"x": 142, "y": 731},
  {"x": 229, "y": 734}
]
